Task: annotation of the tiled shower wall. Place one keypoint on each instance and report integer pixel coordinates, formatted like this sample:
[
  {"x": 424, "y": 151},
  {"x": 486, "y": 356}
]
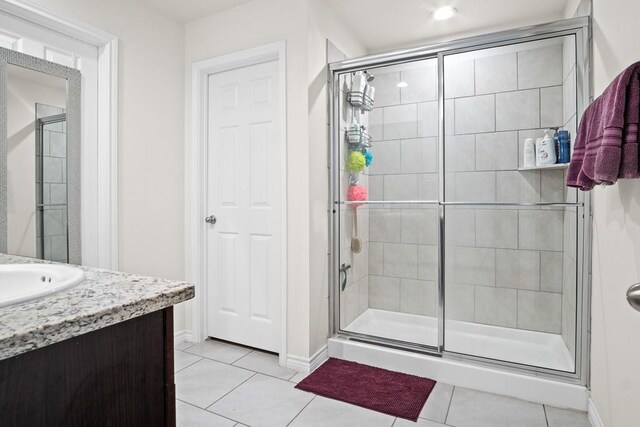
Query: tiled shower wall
[
  {"x": 403, "y": 252},
  {"x": 504, "y": 265},
  {"x": 354, "y": 300},
  {"x": 53, "y": 182}
]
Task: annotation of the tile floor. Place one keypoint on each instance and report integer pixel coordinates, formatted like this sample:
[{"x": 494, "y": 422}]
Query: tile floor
[{"x": 220, "y": 384}]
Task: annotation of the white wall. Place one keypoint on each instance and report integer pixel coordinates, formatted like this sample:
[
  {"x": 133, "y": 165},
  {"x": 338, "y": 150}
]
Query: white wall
[
  {"x": 22, "y": 96},
  {"x": 323, "y": 24},
  {"x": 615, "y": 329},
  {"x": 246, "y": 26},
  {"x": 151, "y": 132}
]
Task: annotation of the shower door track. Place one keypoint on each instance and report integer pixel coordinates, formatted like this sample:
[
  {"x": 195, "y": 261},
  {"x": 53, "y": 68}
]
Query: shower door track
[{"x": 578, "y": 27}]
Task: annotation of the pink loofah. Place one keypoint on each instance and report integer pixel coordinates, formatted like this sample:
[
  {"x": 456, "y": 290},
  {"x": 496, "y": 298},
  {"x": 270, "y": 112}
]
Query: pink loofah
[{"x": 357, "y": 193}]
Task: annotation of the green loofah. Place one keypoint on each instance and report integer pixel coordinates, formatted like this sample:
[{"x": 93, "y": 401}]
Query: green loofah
[{"x": 356, "y": 162}]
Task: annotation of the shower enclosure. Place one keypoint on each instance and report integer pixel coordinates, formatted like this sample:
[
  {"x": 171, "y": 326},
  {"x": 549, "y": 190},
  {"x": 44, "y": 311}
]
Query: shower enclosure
[{"x": 463, "y": 251}]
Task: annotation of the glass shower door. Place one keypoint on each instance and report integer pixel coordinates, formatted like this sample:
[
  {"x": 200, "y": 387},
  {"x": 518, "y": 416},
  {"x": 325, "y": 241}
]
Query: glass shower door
[
  {"x": 510, "y": 228},
  {"x": 389, "y": 281}
]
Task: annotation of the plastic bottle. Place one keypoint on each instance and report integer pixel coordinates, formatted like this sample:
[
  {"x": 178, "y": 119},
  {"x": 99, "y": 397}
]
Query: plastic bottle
[{"x": 565, "y": 146}]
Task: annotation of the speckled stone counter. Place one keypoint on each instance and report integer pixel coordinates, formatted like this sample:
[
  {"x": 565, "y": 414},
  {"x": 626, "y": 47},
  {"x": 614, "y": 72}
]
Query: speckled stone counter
[{"x": 102, "y": 299}]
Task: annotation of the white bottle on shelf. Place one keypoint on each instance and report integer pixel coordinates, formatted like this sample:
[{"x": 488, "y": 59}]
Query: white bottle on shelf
[
  {"x": 546, "y": 150},
  {"x": 529, "y": 160}
]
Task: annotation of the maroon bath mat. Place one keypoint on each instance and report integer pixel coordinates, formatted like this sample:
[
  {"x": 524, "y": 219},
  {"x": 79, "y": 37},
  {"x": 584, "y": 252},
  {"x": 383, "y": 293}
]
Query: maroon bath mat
[{"x": 393, "y": 393}]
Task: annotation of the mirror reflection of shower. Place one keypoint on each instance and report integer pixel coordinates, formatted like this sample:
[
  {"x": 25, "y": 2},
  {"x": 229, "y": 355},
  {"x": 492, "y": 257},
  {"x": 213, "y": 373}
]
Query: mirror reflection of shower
[{"x": 51, "y": 183}]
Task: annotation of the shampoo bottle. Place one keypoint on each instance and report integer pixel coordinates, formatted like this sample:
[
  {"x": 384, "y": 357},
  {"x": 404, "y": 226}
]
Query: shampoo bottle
[{"x": 546, "y": 150}]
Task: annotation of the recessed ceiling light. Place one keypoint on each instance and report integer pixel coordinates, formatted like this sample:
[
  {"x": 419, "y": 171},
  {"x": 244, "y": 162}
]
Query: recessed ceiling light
[
  {"x": 402, "y": 84},
  {"x": 443, "y": 13}
]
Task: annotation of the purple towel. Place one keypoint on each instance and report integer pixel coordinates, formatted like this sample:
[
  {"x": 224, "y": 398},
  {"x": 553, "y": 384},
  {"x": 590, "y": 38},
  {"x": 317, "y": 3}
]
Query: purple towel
[{"x": 606, "y": 146}]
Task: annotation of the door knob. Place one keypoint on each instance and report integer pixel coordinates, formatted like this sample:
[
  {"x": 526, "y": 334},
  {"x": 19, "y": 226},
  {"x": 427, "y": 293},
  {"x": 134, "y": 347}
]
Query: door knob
[
  {"x": 211, "y": 219},
  {"x": 633, "y": 296}
]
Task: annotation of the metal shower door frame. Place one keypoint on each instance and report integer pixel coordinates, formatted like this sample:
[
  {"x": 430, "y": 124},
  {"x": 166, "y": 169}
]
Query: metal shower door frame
[{"x": 577, "y": 27}]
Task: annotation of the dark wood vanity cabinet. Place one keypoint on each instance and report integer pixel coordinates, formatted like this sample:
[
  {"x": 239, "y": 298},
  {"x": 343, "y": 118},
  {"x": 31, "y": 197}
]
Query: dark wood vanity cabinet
[{"x": 120, "y": 375}]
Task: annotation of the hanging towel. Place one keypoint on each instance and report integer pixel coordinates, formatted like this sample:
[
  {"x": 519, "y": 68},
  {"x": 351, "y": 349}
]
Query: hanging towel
[{"x": 606, "y": 146}]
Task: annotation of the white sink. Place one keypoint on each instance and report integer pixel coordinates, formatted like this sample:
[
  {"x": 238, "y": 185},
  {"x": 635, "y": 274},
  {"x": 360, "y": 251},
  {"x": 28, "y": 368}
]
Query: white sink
[{"x": 22, "y": 282}]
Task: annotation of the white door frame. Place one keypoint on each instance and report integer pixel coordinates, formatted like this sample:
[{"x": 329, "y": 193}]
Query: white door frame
[
  {"x": 99, "y": 218},
  {"x": 197, "y": 179}
]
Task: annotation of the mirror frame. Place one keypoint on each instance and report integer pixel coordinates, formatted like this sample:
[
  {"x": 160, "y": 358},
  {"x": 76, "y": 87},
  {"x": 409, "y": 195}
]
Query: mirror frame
[{"x": 73, "y": 101}]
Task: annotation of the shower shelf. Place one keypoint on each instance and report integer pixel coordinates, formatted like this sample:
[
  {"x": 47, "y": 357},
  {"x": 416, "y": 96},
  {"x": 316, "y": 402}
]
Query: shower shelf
[
  {"x": 360, "y": 100},
  {"x": 358, "y": 138},
  {"x": 545, "y": 167}
]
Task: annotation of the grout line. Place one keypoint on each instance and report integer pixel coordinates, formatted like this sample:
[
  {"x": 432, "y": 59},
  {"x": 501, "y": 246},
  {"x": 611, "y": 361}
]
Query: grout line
[
  {"x": 190, "y": 364},
  {"x": 241, "y": 357},
  {"x": 227, "y": 393},
  {"x": 546, "y": 419},
  {"x": 191, "y": 404},
  {"x": 305, "y": 407},
  {"x": 449, "y": 406}
]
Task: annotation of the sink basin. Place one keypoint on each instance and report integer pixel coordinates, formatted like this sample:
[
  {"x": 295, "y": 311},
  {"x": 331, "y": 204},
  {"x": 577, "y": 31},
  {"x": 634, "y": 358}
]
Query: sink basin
[{"x": 23, "y": 282}]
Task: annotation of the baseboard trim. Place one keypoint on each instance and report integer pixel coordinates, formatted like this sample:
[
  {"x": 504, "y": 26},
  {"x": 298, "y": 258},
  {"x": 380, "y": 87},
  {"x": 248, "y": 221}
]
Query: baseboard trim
[
  {"x": 181, "y": 337},
  {"x": 308, "y": 365},
  {"x": 594, "y": 417}
]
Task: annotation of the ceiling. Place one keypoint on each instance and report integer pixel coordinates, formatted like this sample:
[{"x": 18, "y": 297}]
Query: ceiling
[
  {"x": 190, "y": 10},
  {"x": 389, "y": 24}
]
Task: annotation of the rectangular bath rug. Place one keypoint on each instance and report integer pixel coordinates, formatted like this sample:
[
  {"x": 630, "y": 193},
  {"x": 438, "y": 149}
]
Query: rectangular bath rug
[{"x": 389, "y": 392}]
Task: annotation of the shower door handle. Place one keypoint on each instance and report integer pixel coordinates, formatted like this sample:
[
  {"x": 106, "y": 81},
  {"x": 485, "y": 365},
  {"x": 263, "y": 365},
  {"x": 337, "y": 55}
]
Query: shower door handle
[
  {"x": 633, "y": 296},
  {"x": 211, "y": 219}
]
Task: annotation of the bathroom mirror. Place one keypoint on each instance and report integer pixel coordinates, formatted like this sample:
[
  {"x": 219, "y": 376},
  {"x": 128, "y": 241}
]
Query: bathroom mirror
[{"x": 39, "y": 158}]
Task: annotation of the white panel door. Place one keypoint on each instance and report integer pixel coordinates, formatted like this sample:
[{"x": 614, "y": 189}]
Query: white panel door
[{"x": 244, "y": 246}]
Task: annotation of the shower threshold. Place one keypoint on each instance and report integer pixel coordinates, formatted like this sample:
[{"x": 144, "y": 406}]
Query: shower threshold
[{"x": 531, "y": 348}]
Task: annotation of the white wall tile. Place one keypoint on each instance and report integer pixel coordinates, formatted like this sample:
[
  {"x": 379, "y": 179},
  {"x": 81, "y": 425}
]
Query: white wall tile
[
  {"x": 458, "y": 77},
  {"x": 419, "y": 155},
  {"x": 497, "y": 228},
  {"x": 460, "y": 302},
  {"x": 376, "y": 257},
  {"x": 363, "y": 291},
  {"x": 569, "y": 327},
  {"x": 400, "y": 260},
  {"x": 540, "y": 67},
  {"x": 570, "y": 229},
  {"x": 386, "y": 158},
  {"x": 401, "y": 187},
  {"x": 421, "y": 84},
  {"x": 541, "y": 230},
  {"x": 376, "y": 187},
  {"x": 384, "y": 225},
  {"x": 518, "y": 269},
  {"x": 568, "y": 55},
  {"x": 471, "y": 186},
  {"x": 496, "y": 73},
  {"x": 428, "y": 122},
  {"x": 496, "y": 306},
  {"x": 384, "y": 293},
  {"x": 551, "y": 106},
  {"x": 460, "y": 153},
  {"x": 460, "y": 226},
  {"x": 551, "y": 271},
  {"x": 518, "y": 110},
  {"x": 375, "y": 124},
  {"x": 400, "y": 121},
  {"x": 569, "y": 280},
  {"x": 420, "y": 226},
  {"x": 540, "y": 311},
  {"x": 428, "y": 186},
  {"x": 569, "y": 96},
  {"x": 497, "y": 151},
  {"x": 351, "y": 300},
  {"x": 449, "y": 117},
  {"x": 418, "y": 297},
  {"x": 473, "y": 266},
  {"x": 518, "y": 186},
  {"x": 428, "y": 262},
  {"x": 552, "y": 187},
  {"x": 387, "y": 90},
  {"x": 475, "y": 114}
]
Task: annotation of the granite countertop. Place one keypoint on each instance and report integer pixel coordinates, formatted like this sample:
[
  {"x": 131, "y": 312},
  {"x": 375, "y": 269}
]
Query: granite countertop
[{"x": 102, "y": 299}]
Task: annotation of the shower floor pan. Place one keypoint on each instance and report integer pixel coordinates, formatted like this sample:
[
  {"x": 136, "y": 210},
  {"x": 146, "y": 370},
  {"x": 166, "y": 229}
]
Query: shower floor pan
[{"x": 493, "y": 342}]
